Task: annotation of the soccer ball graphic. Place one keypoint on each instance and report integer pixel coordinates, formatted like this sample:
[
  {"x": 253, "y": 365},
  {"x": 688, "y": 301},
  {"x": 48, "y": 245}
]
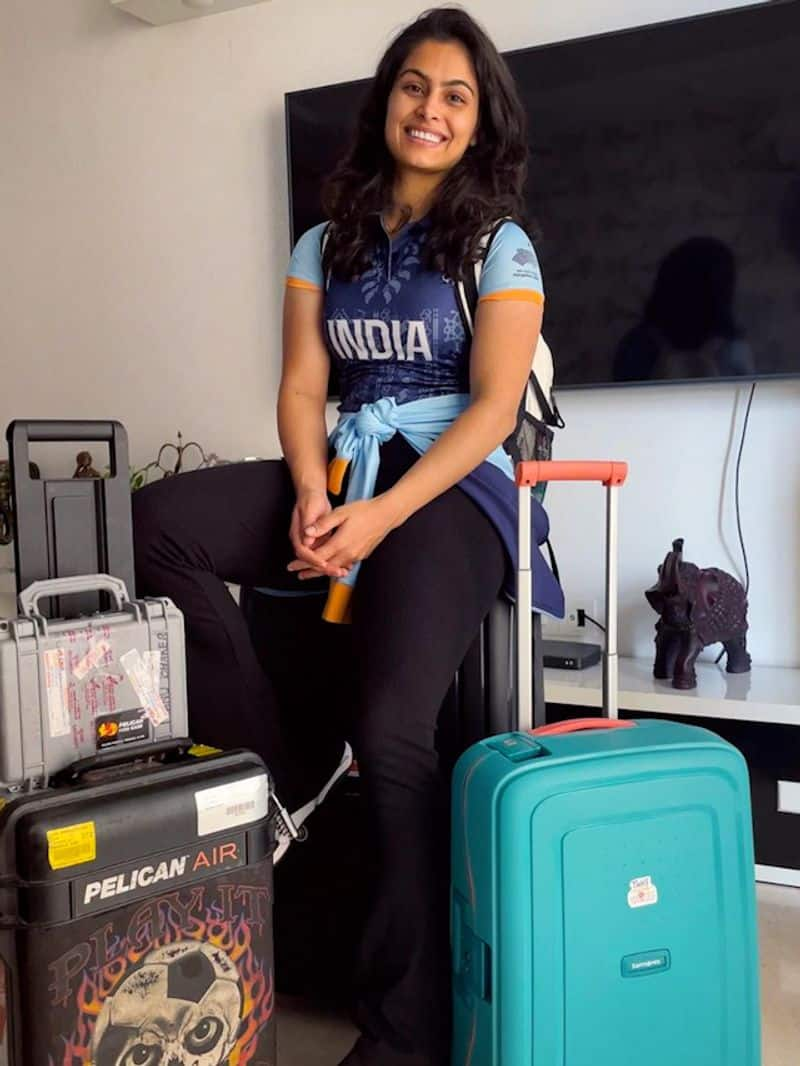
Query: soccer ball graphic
[{"x": 181, "y": 1007}]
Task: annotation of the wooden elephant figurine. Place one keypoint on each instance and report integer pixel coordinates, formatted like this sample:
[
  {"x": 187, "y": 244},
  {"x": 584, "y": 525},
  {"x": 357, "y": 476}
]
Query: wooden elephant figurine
[{"x": 697, "y": 608}]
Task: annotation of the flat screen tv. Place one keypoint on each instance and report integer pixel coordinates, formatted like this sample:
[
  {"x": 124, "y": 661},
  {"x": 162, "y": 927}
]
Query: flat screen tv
[{"x": 664, "y": 182}]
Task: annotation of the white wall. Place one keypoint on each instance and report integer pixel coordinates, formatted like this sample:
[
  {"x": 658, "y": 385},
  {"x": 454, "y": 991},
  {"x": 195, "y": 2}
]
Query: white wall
[{"x": 143, "y": 213}]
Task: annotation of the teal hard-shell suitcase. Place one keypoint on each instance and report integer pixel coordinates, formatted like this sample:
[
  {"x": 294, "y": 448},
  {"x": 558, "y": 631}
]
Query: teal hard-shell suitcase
[{"x": 603, "y": 901}]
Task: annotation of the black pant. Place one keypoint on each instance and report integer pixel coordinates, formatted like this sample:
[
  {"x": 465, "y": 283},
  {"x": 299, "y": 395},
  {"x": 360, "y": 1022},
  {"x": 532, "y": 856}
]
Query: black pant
[{"x": 418, "y": 603}]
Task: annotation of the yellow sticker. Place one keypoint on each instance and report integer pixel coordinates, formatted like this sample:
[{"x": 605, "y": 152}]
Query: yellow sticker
[
  {"x": 200, "y": 751},
  {"x": 72, "y": 845}
]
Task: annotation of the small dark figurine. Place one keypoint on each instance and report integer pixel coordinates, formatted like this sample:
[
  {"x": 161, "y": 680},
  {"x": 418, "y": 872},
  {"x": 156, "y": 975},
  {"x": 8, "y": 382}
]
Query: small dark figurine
[
  {"x": 84, "y": 467},
  {"x": 697, "y": 608}
]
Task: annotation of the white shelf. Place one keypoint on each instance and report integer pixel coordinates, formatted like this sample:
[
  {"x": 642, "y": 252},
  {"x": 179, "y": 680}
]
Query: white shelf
[{"x": 766, "y": 694}]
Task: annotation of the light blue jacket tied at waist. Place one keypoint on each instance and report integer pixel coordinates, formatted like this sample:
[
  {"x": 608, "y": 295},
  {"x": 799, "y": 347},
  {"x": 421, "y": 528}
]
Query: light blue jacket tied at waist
[{"x": 356, "y": 442}]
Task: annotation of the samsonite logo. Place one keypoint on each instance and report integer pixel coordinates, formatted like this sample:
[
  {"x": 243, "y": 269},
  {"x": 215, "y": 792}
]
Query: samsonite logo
[{"x": 135, "y": 880}]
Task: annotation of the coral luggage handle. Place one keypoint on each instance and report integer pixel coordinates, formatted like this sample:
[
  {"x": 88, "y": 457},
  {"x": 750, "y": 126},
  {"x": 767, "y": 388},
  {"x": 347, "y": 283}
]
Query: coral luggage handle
[
  {"x": 580, "y": 725},
  {"x": 612, "y": 475},
  {"x": 609, "y": 473}
]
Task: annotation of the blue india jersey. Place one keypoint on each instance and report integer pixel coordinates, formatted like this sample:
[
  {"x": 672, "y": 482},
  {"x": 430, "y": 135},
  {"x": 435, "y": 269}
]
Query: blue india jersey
[{"x": 396, "y": 330}]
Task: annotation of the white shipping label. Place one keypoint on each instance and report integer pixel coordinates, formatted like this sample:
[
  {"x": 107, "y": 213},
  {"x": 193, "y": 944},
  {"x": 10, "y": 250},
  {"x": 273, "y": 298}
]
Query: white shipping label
[
  {"x": 55, "y": 680},
  {"x": 227, "y": 806},
  {"x": 152, "y": 662},
  {"x": 140, "y": 675},
  {"x": 642, "y": 892}
]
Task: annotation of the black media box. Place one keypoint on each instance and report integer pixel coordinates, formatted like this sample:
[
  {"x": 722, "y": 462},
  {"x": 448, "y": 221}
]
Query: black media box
[{"x": 570, "y": 654}]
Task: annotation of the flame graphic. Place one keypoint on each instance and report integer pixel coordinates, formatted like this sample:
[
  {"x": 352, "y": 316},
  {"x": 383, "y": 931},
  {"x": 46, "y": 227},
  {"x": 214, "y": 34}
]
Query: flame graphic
[{"x": 234, "y": 937}]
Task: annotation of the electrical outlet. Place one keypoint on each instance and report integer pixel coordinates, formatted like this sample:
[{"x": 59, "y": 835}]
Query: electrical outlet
[
  {"x": 585, "y": 613},
  {"x": 569, "y": 626}
]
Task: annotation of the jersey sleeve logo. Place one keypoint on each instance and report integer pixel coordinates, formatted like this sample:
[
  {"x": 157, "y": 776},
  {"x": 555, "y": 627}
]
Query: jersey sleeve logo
[{"x": 525, "y": 257}]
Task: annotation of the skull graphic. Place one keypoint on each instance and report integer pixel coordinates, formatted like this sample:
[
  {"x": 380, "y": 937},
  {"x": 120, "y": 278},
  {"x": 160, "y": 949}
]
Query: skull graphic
[{"x": 181, "y": 1007}]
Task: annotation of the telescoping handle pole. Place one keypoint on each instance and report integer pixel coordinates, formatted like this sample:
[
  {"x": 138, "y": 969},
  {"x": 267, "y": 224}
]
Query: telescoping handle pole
[{"x": 612, "y": 475}]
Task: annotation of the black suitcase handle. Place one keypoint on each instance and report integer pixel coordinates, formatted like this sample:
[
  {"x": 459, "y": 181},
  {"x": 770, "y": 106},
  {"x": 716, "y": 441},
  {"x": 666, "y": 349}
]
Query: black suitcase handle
[
  {"x": 40, "y": 429},
  {"x": 66, "y": 527},
  {"x": 164, "y": 751},
  {"x": 21, "y": 432}
]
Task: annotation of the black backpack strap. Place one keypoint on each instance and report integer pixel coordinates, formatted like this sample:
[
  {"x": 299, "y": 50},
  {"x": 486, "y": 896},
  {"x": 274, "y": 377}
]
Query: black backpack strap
[
  {"x": 323, "y": 242},
  {"x": 471, "y": 290},
  {"x": 551, "y": 416},
  {"x": 553, "y": 563},
  {"x": 466, "y": 298},
  {"x": 467, "y": 290}
]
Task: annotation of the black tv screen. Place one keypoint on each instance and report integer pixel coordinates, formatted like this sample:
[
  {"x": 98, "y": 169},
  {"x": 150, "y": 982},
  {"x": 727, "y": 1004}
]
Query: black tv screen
[{"x": 664, "y": 186}]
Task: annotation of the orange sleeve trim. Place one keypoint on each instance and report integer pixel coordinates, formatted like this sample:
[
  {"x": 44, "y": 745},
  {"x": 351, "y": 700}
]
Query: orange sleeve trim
[
  {"x": 300, "y": 283},
  {"x": 528, "y": 295}
]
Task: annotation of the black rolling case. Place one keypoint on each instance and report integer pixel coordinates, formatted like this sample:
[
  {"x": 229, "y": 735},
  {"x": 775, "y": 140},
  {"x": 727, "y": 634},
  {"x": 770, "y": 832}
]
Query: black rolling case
[{"x": 136, "y": 914}]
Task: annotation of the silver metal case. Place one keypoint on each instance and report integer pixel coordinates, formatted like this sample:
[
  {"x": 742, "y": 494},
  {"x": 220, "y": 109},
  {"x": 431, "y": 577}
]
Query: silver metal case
[{"x": 71, "y": 687}]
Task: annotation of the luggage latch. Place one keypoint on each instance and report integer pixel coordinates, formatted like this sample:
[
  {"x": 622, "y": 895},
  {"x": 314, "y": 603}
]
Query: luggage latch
[
  {"x": 473, "y": 977},
  {"x": 517, "y": 746}
]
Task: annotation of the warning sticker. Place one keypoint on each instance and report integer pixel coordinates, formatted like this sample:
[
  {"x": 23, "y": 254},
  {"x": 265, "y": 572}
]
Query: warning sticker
[
  {"x": 202, "y": 751},
  {"x": 237, "y": 803},
  {"x": 57, "y": 688},
  {"x": 642, "y": 892},
  {"x": 71, "y": 845}
]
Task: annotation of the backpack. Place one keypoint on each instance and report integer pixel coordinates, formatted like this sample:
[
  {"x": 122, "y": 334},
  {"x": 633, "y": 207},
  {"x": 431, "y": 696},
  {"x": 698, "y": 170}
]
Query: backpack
[{"x": 538, "y": 413}]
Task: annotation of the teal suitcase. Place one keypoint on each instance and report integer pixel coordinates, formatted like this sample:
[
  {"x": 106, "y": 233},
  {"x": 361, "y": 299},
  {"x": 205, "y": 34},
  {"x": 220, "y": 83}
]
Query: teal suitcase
[{"x": 603, "y": 898}]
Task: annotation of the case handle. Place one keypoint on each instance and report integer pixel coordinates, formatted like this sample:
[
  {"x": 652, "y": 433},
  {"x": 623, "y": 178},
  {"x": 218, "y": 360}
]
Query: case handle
[
  {"x": 164, "y": 751},
  {"x": 39, "y": 429},
  {"x": 579, "y": 725},
  {"x": 608, "y": 473},
  {"x": 67, "y": 586},
  {"x": 612, "y": 475}
]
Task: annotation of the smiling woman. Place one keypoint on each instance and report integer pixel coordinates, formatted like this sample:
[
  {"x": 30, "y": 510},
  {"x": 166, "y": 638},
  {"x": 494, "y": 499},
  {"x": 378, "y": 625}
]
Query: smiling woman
[
  {"x": 428, "y": 524},
  {"x": 431, "y": 119},
  {"x": 441, "y": 82}
]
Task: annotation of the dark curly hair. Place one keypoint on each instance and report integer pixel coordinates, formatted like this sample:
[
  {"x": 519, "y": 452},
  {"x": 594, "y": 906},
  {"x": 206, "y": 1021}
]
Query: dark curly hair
[{"x": 485, "y": 186}]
